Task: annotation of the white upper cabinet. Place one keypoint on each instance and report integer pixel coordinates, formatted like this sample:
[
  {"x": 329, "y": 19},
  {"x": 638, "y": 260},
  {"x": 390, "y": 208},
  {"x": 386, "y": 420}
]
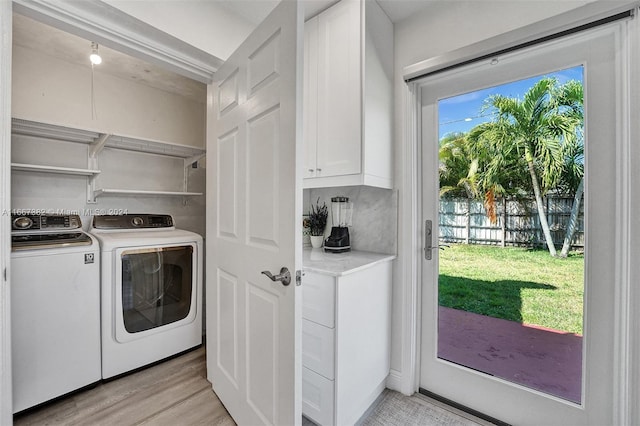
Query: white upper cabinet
[
  {"x": 310, "y": 97},
  {"x": 348, "y": 96},
  {"x": 339, "y": 92}
]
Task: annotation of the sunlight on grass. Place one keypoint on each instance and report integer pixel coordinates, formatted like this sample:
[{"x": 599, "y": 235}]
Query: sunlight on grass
[{"x": 522, "y": 285}]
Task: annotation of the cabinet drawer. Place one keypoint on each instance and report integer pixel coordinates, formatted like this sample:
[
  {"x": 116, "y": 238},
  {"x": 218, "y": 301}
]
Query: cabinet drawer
[
  {"x": 318, "y": 348},
  {"x": 317, "y": 397},
  {"x": 318, "y": 298}
]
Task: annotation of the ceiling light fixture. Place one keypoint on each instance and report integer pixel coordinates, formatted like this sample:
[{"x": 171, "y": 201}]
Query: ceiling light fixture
[{"x": 95, "y": 58}]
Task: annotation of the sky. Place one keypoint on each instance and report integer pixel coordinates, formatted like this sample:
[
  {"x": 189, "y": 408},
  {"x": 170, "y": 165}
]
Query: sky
[{"x": 463, "y": 112}]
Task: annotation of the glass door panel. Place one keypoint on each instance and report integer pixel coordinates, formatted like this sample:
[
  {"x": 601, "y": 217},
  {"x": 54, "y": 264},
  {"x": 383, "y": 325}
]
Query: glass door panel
[
  {"x": 157, "y": 286},
  {"x": 510, "y": 302},
  {"x": 510, "y": 328}
]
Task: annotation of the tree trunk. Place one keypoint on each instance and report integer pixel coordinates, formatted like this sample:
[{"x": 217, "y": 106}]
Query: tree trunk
[
  {"x": 573, "y": 220},
  {"x": 541, "y": 213}
]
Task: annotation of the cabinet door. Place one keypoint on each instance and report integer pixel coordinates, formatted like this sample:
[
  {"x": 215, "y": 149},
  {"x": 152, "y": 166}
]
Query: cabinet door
[
  {"x": 310, "y": 97},
  {"x": 317, "y": 397},
  {"x": 318, "y": 348},
  {"x": 339, "y": 90},
  {"x": 319, "y": 299}
]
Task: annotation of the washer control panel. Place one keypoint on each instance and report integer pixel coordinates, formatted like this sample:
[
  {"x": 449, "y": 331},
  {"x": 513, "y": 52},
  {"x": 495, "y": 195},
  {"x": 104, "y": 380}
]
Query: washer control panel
[
  {"x": 133, "y": 221},
  {"x": 35, "y": 222}
]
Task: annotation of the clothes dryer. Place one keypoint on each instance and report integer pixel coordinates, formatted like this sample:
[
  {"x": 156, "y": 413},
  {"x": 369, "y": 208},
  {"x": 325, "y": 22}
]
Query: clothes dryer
[{"x": 151, "y": 284}]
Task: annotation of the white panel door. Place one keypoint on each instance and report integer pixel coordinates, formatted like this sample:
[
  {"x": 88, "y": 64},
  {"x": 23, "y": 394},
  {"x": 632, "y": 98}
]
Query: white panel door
[
  {"x": 5, "y": 205},
  {"x": 601, "y": 53},
  {"x": 254, "y": 207}
]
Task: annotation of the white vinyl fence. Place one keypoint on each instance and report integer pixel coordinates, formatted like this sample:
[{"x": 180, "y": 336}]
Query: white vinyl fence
[{"x": 465, "y": 221}]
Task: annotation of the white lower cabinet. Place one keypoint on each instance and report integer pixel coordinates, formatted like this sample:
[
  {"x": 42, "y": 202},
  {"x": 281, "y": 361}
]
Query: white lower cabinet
[
  {"x": 317, "y": 397},
  {"x": 345, "y": 341}
]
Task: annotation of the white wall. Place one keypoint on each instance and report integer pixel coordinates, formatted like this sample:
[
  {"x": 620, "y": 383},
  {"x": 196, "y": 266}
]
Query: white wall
[
  {"x": 443, "y": 27},
  {"x": 55, "y": 91}
]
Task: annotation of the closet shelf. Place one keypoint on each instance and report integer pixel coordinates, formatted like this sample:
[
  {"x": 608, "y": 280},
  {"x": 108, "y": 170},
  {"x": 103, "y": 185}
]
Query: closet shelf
[
  {"x": 63, "y": 133},
  {"x": 53, "y": 169},
  {"x": 96, "y": 142},
  {"x": 105, "y": 191}
]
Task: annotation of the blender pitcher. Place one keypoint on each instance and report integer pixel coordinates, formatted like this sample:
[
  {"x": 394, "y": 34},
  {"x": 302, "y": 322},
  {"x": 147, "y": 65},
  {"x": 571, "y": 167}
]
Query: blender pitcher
[{"x": 341, "y": 212}]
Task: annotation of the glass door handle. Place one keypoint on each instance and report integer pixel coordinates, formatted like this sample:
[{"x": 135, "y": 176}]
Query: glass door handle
[
  {"x": 284, "y": 276},
  {"x": 428, "y": 244}
]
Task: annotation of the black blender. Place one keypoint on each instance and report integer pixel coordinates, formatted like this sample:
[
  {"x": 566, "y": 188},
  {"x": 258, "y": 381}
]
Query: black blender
[{"x": 341, "y": 212}]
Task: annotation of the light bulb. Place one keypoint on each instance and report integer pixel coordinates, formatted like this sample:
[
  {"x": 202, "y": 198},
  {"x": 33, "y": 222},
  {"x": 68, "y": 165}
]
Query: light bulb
[{"x": 95, "y": 58}]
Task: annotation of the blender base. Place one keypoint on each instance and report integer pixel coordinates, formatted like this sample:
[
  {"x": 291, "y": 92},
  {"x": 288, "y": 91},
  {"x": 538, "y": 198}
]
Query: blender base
[{"x": 337, "y": 249}]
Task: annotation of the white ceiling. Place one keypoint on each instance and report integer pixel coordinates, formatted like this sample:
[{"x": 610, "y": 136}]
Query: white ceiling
[
  {"x": 31, "y": 34},
  {"x": 256, "y": 10},
  {"x": 61, "y": 45},
  {"x": 397, "y": 10}
]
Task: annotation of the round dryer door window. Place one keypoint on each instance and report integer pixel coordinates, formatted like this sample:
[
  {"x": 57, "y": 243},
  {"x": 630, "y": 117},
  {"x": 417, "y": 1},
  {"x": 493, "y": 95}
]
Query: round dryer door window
[{"x": 157, "y": 287}]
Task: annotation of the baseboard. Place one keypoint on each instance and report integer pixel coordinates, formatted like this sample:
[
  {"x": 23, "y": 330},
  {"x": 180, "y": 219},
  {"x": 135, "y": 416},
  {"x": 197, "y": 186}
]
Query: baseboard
[
  {"x": 394, "y": 380},
  {"x": 397, "y": 382}
]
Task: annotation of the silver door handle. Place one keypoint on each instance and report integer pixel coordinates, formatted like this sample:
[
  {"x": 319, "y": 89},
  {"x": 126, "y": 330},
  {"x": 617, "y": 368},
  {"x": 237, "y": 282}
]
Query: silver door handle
[
  {"x": 428, "y": 247},
  {"x": 284, "y": 276}
]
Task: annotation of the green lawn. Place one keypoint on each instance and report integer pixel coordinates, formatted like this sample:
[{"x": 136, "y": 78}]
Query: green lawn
[{"x": 522, "y": 285}]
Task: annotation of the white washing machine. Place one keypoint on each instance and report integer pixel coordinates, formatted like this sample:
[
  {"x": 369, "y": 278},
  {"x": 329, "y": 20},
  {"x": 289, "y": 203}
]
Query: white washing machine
[
  {"x": 55, "y": 308},
  {"x": 151, "y": 283}
]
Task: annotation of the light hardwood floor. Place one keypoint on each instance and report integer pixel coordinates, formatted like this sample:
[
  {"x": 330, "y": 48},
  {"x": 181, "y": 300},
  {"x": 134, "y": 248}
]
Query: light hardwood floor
[{"x": 175, "y": 392}]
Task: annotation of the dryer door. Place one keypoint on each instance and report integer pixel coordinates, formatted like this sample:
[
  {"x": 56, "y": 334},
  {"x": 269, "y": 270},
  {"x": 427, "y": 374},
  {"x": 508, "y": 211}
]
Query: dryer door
[{"x": 155, "y": 289}]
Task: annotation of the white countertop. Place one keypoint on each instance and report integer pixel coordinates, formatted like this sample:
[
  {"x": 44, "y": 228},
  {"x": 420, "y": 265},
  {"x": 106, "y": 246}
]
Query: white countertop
[{"x": 338, "y": 264}]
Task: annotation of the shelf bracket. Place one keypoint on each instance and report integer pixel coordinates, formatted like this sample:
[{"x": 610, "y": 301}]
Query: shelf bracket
[
  {"x": 96, "y": 147},
  {"x": 91, "y": 197},
  {"x": 189, "y": 161},
  {"x": 94, "y": 150}
]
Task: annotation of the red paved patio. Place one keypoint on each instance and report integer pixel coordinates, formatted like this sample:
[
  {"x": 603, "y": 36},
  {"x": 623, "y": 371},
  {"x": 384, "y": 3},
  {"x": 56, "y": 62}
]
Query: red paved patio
[{"x": 536, "y": 357}]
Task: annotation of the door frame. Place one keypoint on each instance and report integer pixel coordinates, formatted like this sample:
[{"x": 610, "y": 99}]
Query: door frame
[
  {"x": 627, "y": 299},
  {"x": 108, "y": 25}
]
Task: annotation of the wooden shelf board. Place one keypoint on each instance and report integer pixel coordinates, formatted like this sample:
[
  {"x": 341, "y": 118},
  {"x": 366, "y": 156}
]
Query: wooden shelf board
[
  {"x": 53, "y": 169},
  {"x": 107, "y": 191}
]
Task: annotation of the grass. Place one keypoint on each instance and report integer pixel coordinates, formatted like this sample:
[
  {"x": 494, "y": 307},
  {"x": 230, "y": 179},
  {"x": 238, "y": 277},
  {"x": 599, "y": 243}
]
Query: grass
[{"x": 515, "y": 284}]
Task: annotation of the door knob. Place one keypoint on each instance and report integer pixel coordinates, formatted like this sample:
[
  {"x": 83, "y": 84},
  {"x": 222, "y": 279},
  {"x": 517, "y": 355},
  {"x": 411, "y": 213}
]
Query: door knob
[{"x": 284, "y": 276}]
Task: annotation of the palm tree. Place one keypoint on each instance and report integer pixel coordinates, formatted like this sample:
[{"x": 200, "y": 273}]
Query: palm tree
[
  {"x": 532, "y": 130},
  {"x": 458, "y": 167},
  {"x": 570, "y": 97}
]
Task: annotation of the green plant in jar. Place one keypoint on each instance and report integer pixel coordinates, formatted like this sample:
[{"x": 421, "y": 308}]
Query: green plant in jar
[{"x": 318, "y": 218}]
